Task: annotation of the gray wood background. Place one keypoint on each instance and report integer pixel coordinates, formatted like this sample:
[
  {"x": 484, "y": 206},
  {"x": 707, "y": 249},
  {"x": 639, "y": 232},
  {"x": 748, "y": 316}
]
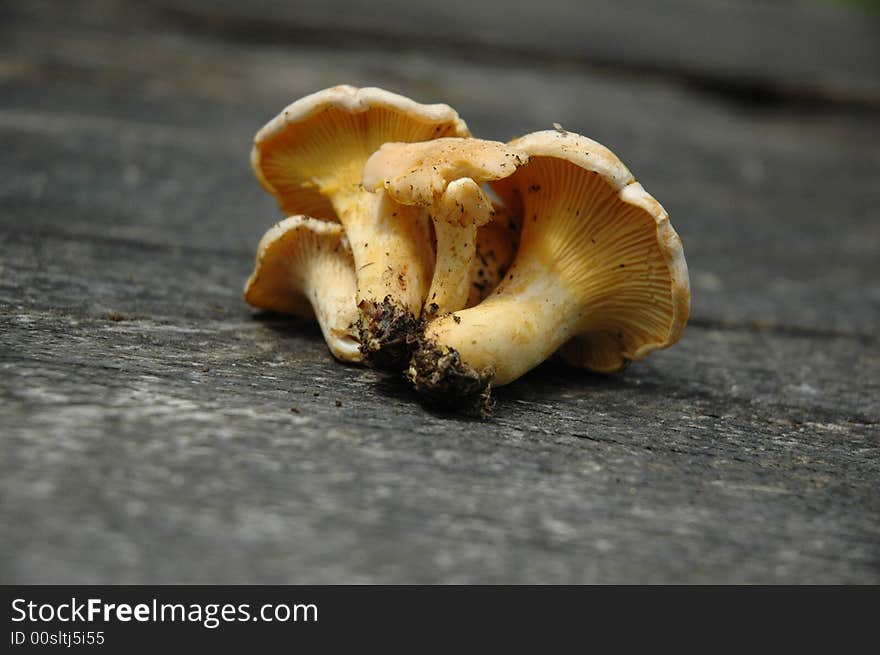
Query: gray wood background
[{"x": 191, "y": 441}]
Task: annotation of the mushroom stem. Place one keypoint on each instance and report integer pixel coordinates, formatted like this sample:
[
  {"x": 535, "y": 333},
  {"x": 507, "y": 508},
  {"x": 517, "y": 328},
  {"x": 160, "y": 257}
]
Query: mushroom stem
[
  {"x": 457, "y": 214},
  {"x": 452, "y": 271},
  {"x": 509, "y": 333},
  {"x": 392, "y": 254}
]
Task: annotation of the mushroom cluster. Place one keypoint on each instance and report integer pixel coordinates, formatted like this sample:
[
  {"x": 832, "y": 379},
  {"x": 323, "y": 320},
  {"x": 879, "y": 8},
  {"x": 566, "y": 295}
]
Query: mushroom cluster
[{"x": 463, "y": 262}]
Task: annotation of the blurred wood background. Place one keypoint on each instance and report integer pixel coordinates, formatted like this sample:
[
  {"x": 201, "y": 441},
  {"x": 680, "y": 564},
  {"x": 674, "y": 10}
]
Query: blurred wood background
[{"x": 153, "y": 430}]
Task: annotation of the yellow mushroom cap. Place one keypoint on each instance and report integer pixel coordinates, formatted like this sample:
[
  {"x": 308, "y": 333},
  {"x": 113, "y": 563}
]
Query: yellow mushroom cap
[
  {"x": 609, "y": 243},
  {"x": 320, "y": 143},
  {"x": 304, "y": 267},
  {"x": 418, "y": 173}
]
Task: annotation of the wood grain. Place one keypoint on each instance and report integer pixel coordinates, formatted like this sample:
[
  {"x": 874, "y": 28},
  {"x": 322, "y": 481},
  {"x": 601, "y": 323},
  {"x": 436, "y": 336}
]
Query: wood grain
[{"x": 153, "y": 430}]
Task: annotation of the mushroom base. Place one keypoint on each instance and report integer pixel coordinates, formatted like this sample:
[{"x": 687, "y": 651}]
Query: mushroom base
[
  {"x": 444, "y": 380},
  {"x": 387, "y": 332}
]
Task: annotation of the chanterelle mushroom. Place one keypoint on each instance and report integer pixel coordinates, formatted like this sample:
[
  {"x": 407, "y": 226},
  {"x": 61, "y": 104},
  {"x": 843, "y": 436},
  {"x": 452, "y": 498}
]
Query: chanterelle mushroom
[
  {"x": 304, "y": 267},
  {"x": 598, "y": 262},
  {"x": 445, "y": 175},
  {"x": 311, "y": 157}
]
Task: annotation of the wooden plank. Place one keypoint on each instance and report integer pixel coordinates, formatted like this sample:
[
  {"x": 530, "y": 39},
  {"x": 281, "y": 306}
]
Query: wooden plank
[
  {"x": 187, "y": 441},
  {"x": 757, "y": 51},
  {"x": 147, "y": 442}
]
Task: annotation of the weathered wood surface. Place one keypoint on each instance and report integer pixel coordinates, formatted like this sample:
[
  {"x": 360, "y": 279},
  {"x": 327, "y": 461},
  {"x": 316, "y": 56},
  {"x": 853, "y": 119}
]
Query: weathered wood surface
[
  {"x": 191, "y": 441},
  {"x": 809, "y": 49}
]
